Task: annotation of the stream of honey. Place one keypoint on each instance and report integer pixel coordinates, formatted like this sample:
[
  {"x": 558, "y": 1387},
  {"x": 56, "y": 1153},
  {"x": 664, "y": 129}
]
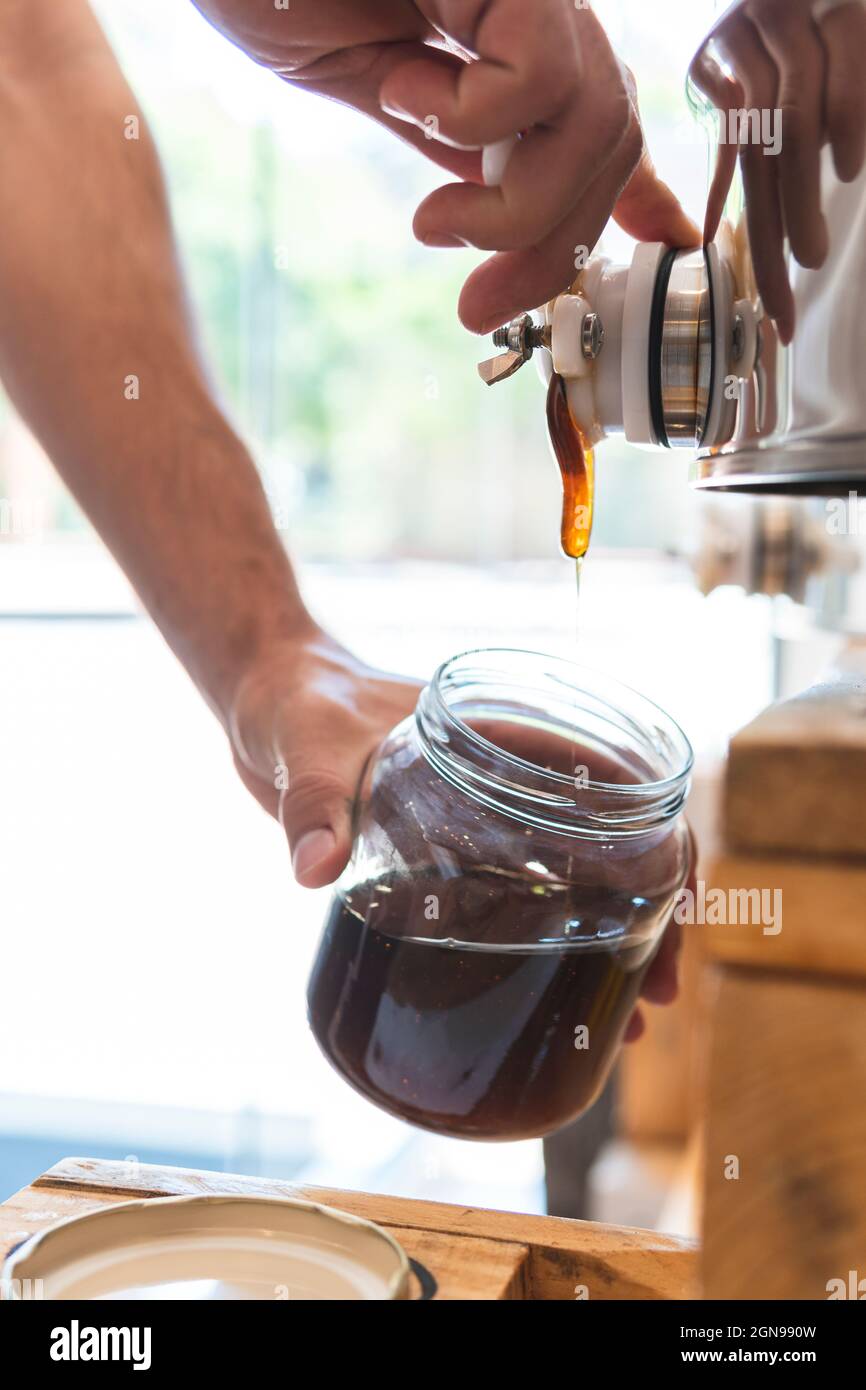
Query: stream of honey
[
  {"x": 577, "y": 467},
  {"x": 574, "y": 456}
]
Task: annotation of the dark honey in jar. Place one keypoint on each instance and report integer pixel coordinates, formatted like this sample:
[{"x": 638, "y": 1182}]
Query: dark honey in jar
[{"x": 519, "y": 849}]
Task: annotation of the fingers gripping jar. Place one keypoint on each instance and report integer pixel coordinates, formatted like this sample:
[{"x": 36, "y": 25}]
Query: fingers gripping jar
[{"x": 519, "y": 848}]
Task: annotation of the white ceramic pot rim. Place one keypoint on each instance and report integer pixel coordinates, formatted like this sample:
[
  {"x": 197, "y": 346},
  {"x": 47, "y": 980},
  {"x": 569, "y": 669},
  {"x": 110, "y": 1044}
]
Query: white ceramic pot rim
[{"x": 23, "y": 1263}]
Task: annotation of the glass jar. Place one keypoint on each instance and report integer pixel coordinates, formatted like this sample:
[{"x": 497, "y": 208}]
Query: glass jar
[{"x": 519, "y": 848}]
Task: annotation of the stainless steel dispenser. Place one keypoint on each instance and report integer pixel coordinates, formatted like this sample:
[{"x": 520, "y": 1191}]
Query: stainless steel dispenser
[{"x": 808, "y": 435}]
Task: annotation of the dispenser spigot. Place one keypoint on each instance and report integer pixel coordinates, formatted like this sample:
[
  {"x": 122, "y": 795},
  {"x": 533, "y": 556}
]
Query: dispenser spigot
[{"x": 522, "y": 336}]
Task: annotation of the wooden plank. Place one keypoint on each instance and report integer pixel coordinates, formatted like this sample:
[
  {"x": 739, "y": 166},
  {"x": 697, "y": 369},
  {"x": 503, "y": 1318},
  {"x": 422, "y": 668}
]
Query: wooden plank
[
  {"x": 548, "y": 1258},
  {"x": 786, "y": 1084},
  {"x": 33, "y": 1209},
  {"x": 463, "y": 1268},
  {"x": 823, "y": 915},
  {"x": 796, "y": 774}
]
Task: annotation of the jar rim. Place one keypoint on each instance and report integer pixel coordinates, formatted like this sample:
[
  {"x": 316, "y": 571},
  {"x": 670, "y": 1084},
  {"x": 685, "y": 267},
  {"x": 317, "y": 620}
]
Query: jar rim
[{"x": 539, "y": 795}]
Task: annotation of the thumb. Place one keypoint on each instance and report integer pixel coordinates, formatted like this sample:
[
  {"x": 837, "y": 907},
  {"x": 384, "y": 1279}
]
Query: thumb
[
  {"x": 315, "y": 812},
  {"x": 650, "y": 211}
]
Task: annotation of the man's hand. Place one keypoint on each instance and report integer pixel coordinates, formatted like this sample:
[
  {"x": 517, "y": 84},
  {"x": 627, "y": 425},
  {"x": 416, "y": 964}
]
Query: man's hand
[
  {"x": 786, "y": 55},
  {"x": 304, "y": 723},
  {"x": 661, "y": 985},
  {"x": 451, "y": 76}
]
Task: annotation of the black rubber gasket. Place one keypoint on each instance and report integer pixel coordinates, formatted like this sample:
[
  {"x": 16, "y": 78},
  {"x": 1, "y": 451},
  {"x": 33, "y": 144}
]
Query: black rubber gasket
[{"x": 656, "y": 334}]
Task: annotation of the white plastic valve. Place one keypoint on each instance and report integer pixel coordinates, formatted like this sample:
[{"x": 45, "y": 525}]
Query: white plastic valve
[{"x": 569, "y": 314}]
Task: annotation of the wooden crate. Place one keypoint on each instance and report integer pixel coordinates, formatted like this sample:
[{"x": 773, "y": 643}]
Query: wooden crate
[{"x": 784, "y": 1194}]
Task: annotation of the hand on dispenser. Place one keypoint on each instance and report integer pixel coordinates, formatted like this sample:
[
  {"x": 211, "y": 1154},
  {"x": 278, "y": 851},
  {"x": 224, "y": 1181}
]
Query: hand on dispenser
[
  {"x": 454, "y": 76},
  {"x": 549, "y": 72},
  {"x": 805, "y": 60}
]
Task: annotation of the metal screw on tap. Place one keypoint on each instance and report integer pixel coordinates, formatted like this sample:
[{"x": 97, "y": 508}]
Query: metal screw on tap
[
  {"x": 592, "y": 336},
  {"x": 520, "y": 338}
]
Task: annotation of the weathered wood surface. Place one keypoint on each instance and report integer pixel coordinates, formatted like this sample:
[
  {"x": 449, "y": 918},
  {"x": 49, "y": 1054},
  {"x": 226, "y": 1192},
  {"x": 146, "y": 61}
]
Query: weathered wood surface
[
  {"x": 785, "y": 1144},
  {"x": 472, "y": 1253},
  {"x": 796, "y": 774},
  {"x": 823, "y": 915}
]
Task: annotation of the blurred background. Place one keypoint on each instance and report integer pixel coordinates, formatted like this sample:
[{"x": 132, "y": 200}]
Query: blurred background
[{"x": 155, "y": 949}]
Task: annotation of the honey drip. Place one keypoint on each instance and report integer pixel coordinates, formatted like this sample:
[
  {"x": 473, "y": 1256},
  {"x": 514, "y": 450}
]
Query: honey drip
[{"x": 577, "y": 467}]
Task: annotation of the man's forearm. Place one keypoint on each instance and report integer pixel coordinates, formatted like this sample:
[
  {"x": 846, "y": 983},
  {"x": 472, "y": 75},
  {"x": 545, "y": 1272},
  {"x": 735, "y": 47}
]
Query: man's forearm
[{"x": 97, "y": 352}]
